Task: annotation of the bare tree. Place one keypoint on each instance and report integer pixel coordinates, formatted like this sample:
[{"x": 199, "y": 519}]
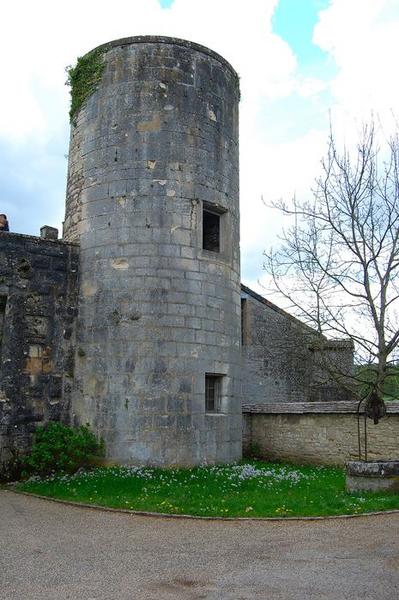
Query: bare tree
[{"x": 338, "y": 263}]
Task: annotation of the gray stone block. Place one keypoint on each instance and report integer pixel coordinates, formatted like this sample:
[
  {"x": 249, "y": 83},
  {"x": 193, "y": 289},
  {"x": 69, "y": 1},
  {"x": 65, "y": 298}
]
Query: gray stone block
[{"x": 372, "y": 476}]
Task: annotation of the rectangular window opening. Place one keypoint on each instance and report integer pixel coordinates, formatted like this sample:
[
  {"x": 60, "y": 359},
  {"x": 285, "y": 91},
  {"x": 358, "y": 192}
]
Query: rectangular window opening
[
  {"x": 213, "y": 393},
  {"x": 210, "y": 231}
]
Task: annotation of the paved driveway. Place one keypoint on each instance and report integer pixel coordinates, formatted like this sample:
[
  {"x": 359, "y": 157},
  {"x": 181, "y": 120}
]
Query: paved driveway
[{"x": 50, "y": 551}]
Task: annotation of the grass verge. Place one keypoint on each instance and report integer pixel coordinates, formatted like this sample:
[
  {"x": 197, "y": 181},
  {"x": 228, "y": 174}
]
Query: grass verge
[{"x": 249, "y": 489}]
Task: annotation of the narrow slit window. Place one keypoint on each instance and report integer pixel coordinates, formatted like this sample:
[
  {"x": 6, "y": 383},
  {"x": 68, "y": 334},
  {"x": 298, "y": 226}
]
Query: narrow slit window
[
  {"x": 3, "y": 302},
  {"x": 213, "y": 393},
  {"x": 210, "y": 231},
  {"x": 244, "y": 329}
]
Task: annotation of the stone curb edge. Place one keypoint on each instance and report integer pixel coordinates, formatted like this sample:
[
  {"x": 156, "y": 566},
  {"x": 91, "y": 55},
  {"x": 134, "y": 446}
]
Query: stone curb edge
[{"x": 199, "y": 517}]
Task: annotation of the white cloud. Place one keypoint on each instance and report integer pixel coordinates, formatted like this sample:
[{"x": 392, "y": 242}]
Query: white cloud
[{"x": 365, "y": 47}]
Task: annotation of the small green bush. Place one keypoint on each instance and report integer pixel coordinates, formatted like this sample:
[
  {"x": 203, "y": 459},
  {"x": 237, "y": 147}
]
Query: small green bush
[{"x": 61, "y": 449}]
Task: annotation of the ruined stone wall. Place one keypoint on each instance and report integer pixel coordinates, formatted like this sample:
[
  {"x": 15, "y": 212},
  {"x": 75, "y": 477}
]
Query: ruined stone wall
[
  {"x": 154, "y": 145},
  {"x": 278, "y": 360},
  {"x": 318, "y": 433},
  {"x": 38, "y": 306}
]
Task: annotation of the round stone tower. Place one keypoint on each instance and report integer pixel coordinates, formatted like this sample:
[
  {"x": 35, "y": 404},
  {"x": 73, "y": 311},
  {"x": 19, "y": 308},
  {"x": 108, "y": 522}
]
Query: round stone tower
[{"x": 153, "y": 201}]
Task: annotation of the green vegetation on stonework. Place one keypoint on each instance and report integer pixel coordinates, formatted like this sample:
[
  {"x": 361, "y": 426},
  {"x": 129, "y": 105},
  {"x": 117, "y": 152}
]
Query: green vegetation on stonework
[
  {"x": 249, "y": 489},
  {"x": 84, "y": 79}
]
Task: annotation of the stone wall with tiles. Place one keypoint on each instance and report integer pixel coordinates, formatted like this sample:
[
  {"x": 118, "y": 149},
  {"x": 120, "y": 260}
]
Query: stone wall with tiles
[
  {"x": 155, "y": 144},
  {"x": 317, "y": 432},
  {"x": 279, "y": 362},
  {"x": 38, "y": 287}
]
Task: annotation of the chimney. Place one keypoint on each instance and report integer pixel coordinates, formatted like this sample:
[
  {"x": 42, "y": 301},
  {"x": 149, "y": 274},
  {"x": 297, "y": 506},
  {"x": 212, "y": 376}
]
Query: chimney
[{"x": 48, "y": 233}]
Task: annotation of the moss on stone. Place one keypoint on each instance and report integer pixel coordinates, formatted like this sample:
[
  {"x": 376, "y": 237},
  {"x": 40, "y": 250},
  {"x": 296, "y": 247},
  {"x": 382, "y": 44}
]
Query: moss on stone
[{"x": 84, "y": 79}]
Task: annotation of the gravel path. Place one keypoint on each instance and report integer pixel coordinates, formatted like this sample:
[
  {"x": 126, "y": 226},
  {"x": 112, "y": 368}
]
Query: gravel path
[{"x": 50, "y": 551}]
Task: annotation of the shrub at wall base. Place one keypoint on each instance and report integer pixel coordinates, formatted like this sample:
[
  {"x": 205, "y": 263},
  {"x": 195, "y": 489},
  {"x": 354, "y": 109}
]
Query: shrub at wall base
[{"x": 61, "y": 449}]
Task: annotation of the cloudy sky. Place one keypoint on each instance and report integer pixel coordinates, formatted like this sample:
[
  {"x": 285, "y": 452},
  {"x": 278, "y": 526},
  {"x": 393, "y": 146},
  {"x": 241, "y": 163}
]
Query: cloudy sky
[{"x": 300, "y": 62}]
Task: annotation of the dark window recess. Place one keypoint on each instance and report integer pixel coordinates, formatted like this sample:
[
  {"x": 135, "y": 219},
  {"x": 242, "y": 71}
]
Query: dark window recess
[
  {"x": 3, "y": 302},
  {"x": 210, "y": 231},
  {"x": 243, "y": 321},
  {"x": 213, "y": 393}
]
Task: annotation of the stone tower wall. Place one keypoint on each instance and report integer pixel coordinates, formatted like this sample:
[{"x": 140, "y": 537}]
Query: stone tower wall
[{"x": 155, "y": 144}]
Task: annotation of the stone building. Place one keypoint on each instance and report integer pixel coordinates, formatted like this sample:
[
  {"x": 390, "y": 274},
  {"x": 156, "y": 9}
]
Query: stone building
[{"x": 135, "y": 322}]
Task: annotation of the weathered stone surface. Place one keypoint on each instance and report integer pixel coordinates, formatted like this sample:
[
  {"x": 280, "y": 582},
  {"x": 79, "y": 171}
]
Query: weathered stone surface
[
  {"x": 157, "y": 140},
  {"x": 39, "y": 306},
  {"x": 372, "y": 476},
  {"x": 318, "y": 437},
  {"x": 380, "y": 468},
  {"x": 49, "y": 233},
  {"x": 279, "y": 363}
]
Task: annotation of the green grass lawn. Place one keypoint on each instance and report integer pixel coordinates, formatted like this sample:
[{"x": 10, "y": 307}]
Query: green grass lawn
[{"x": 248, "y": 489}]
